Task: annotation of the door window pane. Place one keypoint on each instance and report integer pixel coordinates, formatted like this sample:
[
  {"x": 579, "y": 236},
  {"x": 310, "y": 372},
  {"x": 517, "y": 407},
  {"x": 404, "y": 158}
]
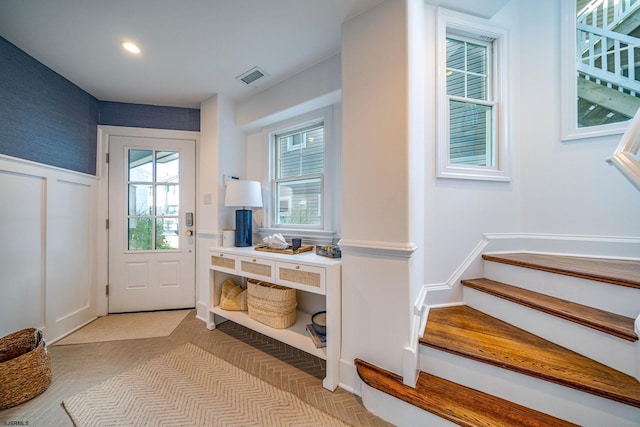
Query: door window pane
[
  {"x": 153, "y": 200},
  {"x": 140, "y": 199},
  {"x": 167, "y": 233},
  {"x": 140, "y": 237},
  {"x": 141, "y": 165},
  {"x": 167, "y": 199},
  {"x": 168, "y": 166}
]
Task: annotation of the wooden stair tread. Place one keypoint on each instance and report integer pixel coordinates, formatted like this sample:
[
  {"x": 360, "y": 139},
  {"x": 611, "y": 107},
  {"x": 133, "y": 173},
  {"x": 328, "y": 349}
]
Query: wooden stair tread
[
  {"x": 467, "y": 332},
  {"x": 604, "y": 321},
  {"x": 459, "y": 404},
  {"x": 614, "y": 271}
]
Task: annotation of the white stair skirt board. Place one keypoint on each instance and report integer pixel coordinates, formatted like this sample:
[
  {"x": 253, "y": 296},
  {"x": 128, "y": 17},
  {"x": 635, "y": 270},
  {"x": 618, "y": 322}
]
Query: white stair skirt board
[
  {"x": 605, "y": 296},
  {"x": 604, "y": 348},
  {"x": 399, "y": 412},
  {"x": 553, "y": 399}
]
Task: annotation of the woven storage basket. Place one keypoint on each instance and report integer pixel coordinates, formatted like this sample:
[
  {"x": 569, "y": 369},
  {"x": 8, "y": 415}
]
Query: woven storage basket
[
  {"x": 272, "y": 304},
  {"x": 25, "y": 367}
]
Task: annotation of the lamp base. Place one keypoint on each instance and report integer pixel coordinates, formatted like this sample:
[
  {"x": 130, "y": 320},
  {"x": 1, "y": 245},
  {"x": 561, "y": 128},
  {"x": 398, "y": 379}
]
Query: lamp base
[{"x": 244, "y": 232}]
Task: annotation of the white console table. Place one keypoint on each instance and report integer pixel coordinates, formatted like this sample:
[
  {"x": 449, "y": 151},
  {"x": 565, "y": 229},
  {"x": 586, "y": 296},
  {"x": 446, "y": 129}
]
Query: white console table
[{"x": 306, "y": 272}]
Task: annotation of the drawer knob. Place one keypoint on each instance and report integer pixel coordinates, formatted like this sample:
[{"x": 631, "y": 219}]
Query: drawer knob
[
  {"x": 254, "y": 260},
  {"x": 221, "y": 254},
  {"x": 297, "y": 267}
]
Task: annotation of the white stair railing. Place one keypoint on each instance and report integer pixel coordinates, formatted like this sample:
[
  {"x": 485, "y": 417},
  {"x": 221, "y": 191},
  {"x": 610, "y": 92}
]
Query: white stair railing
[
  {"x": 606, "y": 56},
  {"x": 626, "y": 160},
  {"x": 607, "y": 14}
]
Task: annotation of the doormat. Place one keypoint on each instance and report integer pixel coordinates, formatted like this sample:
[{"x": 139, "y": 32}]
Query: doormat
[
  {"x": 191, "y": 387},
  {"x": 128, "y": 326}
]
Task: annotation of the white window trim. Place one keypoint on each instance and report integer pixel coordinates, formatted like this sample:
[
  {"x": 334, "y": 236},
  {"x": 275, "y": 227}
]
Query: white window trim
[
  {"x": 323, "y": 232},
  {"x": 569, "y": 70},
  {"x": 447, "y": 21}
]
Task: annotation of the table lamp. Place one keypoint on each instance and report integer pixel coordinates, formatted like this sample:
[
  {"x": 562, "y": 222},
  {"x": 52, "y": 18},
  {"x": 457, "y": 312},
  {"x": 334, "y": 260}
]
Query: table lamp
[{"x": 245, "y": 194}]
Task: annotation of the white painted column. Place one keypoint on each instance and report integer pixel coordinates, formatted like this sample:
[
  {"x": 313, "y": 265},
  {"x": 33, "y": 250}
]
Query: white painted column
[
  {"x": 376, "y": 233},
  {"x": 221, "y": 151}
]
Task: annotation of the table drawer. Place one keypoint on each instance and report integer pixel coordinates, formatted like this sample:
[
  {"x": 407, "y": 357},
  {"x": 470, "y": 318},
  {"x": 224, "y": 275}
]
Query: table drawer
[
  {"x": 257, "y": 268},
  {"x": 300, "y": 276},
  {"x": 224, "y": 262}
]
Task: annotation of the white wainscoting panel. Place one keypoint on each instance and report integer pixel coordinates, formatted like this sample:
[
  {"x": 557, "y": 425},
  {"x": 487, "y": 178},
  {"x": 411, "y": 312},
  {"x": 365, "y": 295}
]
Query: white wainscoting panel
[
  {"x": 47, "y": 248},
  {"x": 21, "y": 251},
  {"x": 70, "y": 251}
]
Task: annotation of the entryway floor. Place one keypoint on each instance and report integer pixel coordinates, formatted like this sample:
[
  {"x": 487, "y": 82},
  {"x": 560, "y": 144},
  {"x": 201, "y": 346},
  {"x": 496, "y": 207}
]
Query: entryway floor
[{"x": 80, "y": 366}]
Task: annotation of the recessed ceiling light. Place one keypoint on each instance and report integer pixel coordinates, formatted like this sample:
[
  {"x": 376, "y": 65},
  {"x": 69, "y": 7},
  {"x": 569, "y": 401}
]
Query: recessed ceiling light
[{"x": 130, "y": 47}]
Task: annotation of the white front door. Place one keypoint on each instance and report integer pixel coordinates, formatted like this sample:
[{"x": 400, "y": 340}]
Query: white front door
[{"x": 151, "y": 223}]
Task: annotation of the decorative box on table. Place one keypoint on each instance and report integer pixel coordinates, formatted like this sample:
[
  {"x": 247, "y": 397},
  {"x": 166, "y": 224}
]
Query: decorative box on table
[{"x": 329, "y": 251}]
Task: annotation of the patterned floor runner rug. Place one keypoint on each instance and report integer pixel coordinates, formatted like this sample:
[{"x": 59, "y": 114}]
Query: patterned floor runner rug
[{"x": 190, "y": 387}]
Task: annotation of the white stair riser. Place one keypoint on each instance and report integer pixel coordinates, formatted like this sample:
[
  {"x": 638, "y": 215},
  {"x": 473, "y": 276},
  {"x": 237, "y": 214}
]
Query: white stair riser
[
  {"x": 553, "y": 399},
  {"x": 614, "y": 298},
  {"x": 398, "y": 412},
  {"x": 604, "y": 348}
]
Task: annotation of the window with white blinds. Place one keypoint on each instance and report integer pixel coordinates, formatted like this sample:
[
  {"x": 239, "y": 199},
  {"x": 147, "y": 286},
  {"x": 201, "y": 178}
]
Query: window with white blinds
[
  {"x": 299, "y": 176},
  {"x": 471, "y": 103},
  {"x": 472, "y": 82}
]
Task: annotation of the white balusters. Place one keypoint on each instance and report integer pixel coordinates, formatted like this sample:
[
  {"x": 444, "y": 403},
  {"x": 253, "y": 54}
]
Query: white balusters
[{"x": 604, "y": 53}]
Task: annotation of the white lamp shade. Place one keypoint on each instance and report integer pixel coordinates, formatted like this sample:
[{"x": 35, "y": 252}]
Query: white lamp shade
[{"x": 243, "y": 193}]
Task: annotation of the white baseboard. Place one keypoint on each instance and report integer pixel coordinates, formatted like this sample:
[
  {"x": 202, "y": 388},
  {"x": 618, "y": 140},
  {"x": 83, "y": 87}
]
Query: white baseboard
[
  {"x": 566, "y": 244},
  {"x": 202, "y": 311},
  {"x": 349, "y": 379},
  {"x": 53, "y": 341},
  {"x": 399, "y": 412}
]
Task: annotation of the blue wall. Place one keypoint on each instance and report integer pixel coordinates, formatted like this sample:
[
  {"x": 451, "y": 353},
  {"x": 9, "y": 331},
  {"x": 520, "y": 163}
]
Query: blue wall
[
  {"x": 44, "y": 117},
  {"x": 149, "y": 116},
  {"x": 47, "y": 119}
]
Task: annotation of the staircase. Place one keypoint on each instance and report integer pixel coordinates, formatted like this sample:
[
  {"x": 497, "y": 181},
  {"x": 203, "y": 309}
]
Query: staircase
[{"x": 542, "y": 340}]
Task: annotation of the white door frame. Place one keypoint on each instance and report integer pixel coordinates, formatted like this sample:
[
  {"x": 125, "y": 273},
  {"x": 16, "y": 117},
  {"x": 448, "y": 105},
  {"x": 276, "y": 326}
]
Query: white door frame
[{"x": 102, "y": 171}]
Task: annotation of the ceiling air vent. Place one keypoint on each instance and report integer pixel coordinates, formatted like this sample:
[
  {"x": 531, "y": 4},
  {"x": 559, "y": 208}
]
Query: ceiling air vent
[{"x": 251, "y": 76}]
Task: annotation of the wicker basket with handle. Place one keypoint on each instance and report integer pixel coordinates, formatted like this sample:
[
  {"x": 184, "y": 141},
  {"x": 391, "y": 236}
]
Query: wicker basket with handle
[
  {"x": 25, "y": 367},
  {"x": 271, "y": 304}
]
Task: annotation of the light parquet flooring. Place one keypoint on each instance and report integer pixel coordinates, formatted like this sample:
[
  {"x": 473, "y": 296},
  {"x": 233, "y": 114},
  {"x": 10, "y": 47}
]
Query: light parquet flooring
[{"x": 78, "y": 367}]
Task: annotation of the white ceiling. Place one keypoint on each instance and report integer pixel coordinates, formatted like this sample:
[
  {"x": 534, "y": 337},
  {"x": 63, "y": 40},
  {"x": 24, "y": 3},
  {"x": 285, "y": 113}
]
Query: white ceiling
[{"x": 191, "y": 49}]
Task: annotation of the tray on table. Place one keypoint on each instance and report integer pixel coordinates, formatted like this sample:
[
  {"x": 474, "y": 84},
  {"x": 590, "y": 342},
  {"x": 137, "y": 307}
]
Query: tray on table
[{"x": 288, "y": 251}]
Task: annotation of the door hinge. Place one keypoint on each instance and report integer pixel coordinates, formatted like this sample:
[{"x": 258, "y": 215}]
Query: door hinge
[
  {"x": 107, "y": 223},
  {"x": 107, "y": 290},
  {"x": 107, "y": 157}
]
